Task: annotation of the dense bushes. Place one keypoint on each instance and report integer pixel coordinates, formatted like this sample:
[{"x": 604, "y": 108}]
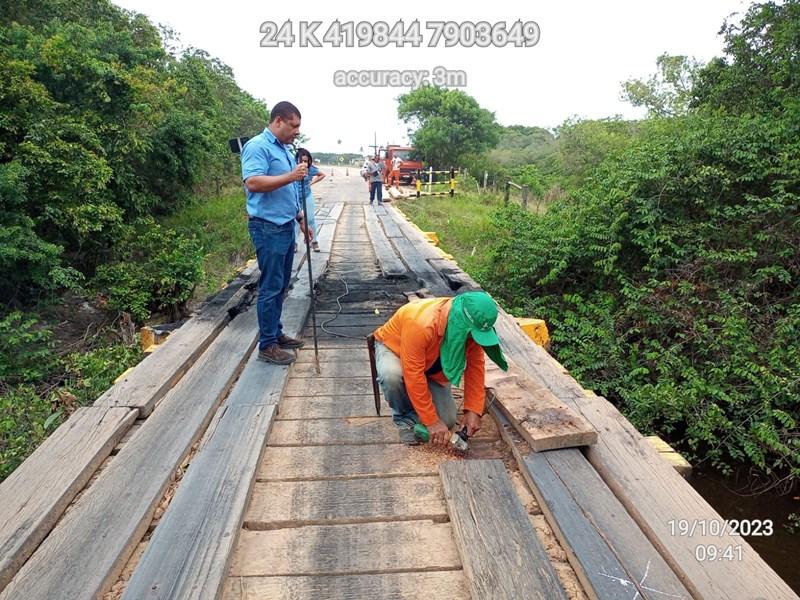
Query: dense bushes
[
  {"x": 670, "y": 276},
  {"x": 99, "y": 127},
  {"x": 102, "y": 131},
  {"x": 671, "y": 283}
]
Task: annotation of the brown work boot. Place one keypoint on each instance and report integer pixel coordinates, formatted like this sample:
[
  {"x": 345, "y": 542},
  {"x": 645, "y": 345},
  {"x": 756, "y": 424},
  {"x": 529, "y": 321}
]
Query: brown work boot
[
  {"x": 290, "y": 343},
  {"x": 275, "y": 355}
]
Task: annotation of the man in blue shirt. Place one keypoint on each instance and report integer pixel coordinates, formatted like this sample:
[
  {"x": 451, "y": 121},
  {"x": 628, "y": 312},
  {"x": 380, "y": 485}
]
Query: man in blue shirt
[{"x": 273, "y": 206}]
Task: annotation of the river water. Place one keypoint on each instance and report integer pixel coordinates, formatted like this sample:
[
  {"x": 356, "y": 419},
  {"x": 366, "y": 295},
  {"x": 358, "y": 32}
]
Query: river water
[{"x": 781, "y": 550}]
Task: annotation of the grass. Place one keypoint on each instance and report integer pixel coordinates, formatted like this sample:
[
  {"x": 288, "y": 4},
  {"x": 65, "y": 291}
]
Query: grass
[
  {"x": 462, "y": 223},
  {"x": 220, "y": 223}
]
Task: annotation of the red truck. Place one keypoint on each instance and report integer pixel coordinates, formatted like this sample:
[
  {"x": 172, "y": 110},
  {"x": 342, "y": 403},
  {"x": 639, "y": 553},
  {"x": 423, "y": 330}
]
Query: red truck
[{"x": 409, "y": 167}]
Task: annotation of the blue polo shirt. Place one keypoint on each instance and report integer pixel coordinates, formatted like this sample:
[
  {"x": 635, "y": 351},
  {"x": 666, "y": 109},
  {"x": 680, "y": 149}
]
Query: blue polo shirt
[{"x": 264, "y": 154}]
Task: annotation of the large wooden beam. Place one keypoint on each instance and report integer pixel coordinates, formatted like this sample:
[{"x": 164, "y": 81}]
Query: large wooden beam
[
  {"x": 391, "y": 266},
  {"x": 160, "y": 371},
  {"x": 502, "y": 557},
  {"x": 609, "y": 553},
  {"x": 88, "y": 548},
  {"x": 543, "y": 420},
  {"x": 34, "y": 496},
  {"x": 649, "y": 488}
]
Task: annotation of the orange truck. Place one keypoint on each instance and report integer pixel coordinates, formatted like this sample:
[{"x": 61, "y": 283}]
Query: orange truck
[{"x": 408, "y": 169}]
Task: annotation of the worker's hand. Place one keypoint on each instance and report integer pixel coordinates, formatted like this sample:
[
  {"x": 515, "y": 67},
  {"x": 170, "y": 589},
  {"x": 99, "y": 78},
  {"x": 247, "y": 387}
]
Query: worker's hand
[
  {"x": 439, "y": 433},
  {"x": 307, "y": 231},
  {"x": 299, "y": 172},
  {"x": 472, "y": 421}
]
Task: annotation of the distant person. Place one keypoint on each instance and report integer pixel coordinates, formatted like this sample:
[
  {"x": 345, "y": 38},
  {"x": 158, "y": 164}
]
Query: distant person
[
  {"x": 304, "y": 185},
  {"x": 365, "y": 169},
  {"x": 269, "y": 173},
  {"x": 394, "y": 179},
  {"x": 375, "y": 170}
]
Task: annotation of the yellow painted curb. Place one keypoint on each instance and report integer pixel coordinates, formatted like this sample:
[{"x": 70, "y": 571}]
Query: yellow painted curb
[
  {"x": 123, "y": 375},
  {"x": 432, "y": 237},
  {"x": 536, "y": 329},
  {"x": 665, "y": 451}
]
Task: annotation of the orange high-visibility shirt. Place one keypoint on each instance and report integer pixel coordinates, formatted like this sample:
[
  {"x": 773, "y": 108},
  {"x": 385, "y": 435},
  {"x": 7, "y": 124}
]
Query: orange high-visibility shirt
[{"x": 415, "y": 334}]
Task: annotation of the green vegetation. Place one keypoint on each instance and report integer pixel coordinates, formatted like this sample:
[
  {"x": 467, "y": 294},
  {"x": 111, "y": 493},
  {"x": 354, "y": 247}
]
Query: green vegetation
[
  {"x": 465, "y": 222},
  {"x": 219, "y": 225},
  {"x": 100, "y": 129},
  {"x": 449, "y": 125},
  {"x": 111, "y": 148},
  {"x": 39, "y": 388},
  {"x": 669, "y": 271}
]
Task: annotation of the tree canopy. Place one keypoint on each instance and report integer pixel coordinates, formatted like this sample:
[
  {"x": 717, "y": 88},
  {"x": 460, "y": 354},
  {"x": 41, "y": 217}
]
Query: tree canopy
[
  {"x": 446, "y": 125},
  {"x": 100, "y": 126}
]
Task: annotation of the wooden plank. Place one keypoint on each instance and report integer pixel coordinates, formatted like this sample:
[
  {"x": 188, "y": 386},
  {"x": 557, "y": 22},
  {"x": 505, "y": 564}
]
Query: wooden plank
[
  {"x": 343, "y": 549},
  {"x": 159, "y": 372},
  {"x": 34, "y": 496},
  {"x": 647, "y": 570},
  {"x": 358, "y": 367},
  {"x": 647, "y": 486},
  {"x": 330, "y": 407},
  {"x": 288, "y": 463},
  {"x": 305, "y": 357},
  {"x": 337, "y": 501},
  {"x": 329, "y": 386},
  {"x": 188, "y": 555},
  {"x": 390, "y": 226},
  {"x": 415, "y": 235},
  {"x": 86, "y": 551},
  {"x": 353, "y": 430},
  {"x": 390, "y": 264},
  {"x": 426, "y": 274},
  {"x": 543, "y": 420},
  {"x": 494, "y": 535},
  {"x": 437, "y": 585},
  {"x": 607, "y": 550},
  {"x": 315, "y": 432}
]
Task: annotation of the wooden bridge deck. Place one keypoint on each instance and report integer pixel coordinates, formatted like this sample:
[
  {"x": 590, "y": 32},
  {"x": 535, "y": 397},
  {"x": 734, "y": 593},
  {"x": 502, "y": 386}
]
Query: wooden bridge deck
[{"x": 246, "y": 480}]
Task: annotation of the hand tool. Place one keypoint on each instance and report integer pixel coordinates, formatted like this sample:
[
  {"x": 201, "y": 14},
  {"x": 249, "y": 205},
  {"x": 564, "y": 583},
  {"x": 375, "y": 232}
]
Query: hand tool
[
  {"x": 310, "y": 274},
  {"x": 373, "y": 368}
]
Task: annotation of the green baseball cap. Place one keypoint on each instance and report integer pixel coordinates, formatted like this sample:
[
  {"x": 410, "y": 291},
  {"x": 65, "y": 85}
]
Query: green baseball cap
[{"x": 481, "y": 313}]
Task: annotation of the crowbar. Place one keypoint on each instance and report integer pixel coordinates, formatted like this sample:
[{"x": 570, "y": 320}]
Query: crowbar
[
  {"x": 374, "y": 369},
  {"x": 310, "y": 275}
]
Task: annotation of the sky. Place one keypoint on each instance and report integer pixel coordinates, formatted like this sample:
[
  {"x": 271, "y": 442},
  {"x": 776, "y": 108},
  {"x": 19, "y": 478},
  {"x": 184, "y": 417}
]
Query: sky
[{"x": 584, "y": 50}]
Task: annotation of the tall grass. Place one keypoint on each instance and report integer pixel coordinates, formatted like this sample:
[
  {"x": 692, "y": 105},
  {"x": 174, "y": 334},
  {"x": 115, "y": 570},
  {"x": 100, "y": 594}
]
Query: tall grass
[
  {"x": 463, "y": 224},
  {"x": 220, "y": 223}
]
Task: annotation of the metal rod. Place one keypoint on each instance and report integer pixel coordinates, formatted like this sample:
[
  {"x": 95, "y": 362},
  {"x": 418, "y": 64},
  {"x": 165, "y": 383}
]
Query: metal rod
[{"x": 310, "y": 275}]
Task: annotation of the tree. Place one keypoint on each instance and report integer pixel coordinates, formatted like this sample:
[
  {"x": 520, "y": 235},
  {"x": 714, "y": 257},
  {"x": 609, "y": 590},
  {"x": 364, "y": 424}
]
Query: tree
[
  {"x": 761, "y": 72},
  {"x": 446, "y": 125},
  {"x": 668, "y": 92}
]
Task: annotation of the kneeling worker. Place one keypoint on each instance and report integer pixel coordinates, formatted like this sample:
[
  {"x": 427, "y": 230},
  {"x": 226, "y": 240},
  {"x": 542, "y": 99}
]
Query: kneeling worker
[{"x": 424, "y": 348}]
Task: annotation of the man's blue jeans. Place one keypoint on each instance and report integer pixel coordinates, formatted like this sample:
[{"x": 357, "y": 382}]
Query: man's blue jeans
[
  {"x": 376, "y": 188},
  {"x": 275, "y": 253},
  {"x": 390, "y": 378}
]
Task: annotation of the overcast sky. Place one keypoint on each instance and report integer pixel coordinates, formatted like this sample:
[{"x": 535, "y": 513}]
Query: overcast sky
[{"x": 585, "y": 50}]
